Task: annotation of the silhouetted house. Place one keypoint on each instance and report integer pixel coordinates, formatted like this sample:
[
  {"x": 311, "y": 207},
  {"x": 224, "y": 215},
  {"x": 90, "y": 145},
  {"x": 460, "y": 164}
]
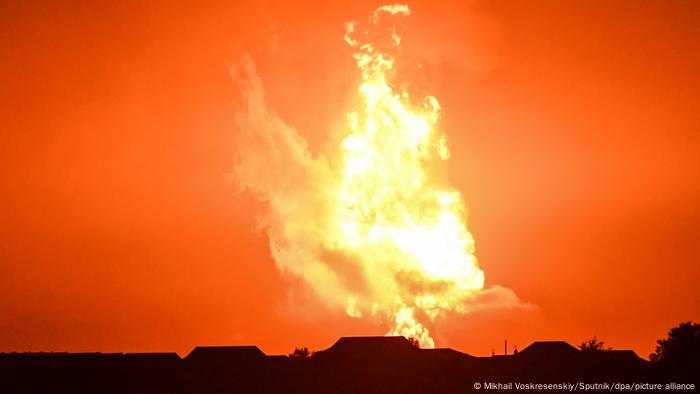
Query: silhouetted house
[
  {"x": 370, "y": 348},
  {"x": 548, "y": 350},
  {"x": 445, "y": 354},
  {"x": 223, "y": 368},
  {"x": 224, "y": 355},
  {"x": 615, "y": 364},
  {"x": 555, "y": 360}
]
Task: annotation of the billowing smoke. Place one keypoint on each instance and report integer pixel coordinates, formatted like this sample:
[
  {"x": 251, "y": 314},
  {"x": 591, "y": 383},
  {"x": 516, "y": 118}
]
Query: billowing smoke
[{"x": 374, "y": 231}]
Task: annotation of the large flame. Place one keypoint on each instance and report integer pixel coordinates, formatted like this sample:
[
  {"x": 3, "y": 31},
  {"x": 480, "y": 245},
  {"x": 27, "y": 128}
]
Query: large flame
[{"x": 376, "y": 234}]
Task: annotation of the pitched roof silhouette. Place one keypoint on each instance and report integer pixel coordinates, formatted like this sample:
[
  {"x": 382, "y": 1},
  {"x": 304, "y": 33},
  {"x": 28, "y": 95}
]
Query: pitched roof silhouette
[
  {"x": 549, "y": 347},
  {"x": 370, "y": 347},
  {"x": 617, "y": 357},
  {"x": 447, "y": 354},
  {"x": 224, "y": 354}
]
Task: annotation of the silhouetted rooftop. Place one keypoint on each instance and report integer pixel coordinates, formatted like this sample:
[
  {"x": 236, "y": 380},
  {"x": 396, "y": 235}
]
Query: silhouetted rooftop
[
  {"x": 219, "y": 354},
  {"x": 560, "y": 347},
  {"x": 616, "y": 356},
  {"x": 447, "y": 354},
  {"x": 370, "y": 347}
]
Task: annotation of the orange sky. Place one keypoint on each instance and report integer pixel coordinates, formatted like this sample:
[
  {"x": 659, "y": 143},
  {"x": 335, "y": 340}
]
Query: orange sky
[{"x": 575, "y": 137}]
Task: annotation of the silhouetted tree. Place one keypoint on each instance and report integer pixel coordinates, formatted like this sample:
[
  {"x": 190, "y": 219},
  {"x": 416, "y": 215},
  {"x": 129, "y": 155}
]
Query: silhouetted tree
[
  {"x": 680, "y": 352},
  {"x": 413, "y": 341},
  {"x": 302, "y": 352},
  {"x": 593, "y": 345}
]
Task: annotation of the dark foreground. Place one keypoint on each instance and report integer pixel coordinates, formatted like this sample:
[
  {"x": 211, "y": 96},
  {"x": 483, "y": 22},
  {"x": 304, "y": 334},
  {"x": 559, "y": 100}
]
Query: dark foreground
[{"x": 351, "y": 365}]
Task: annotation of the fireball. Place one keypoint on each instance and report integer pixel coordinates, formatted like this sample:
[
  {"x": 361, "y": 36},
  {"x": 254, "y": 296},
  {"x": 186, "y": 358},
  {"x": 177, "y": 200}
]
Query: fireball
[{"x": 369, "y": 226}]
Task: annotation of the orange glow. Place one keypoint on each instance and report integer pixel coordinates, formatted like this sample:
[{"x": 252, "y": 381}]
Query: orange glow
[{"x": 572, "y": 132}]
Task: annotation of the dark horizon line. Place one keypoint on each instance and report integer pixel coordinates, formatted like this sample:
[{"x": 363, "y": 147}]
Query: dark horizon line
[{"x": 344, "y": 338}]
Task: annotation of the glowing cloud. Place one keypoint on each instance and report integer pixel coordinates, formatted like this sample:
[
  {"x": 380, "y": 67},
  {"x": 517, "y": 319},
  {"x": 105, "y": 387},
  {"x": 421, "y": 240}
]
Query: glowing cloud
[{"x": 377, "y": 234}]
